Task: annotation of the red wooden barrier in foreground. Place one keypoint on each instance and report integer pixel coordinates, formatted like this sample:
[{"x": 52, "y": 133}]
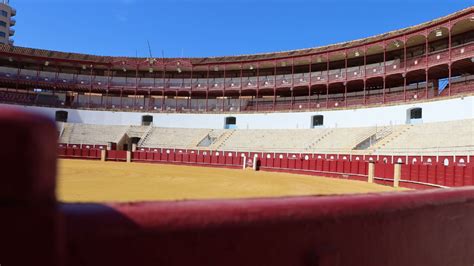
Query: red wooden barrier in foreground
[{"x": 414, "y": 228}]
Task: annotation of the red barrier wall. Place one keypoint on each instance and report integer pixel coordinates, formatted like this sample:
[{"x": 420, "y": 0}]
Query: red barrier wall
[
  {"x": 414, "y": 228},
  {"x": 419, "y": 172}
]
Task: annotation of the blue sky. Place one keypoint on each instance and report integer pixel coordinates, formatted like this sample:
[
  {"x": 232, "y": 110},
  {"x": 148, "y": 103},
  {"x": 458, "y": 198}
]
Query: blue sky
[{"x": 200, "y": 28}]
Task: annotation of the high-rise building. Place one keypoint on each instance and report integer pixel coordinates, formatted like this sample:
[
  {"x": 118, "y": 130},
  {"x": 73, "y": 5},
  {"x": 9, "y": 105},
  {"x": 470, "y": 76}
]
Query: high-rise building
[{"x": 6, "y": 22}]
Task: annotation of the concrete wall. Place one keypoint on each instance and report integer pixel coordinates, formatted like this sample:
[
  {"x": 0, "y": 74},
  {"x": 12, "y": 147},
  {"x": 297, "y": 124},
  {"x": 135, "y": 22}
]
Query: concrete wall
[{"x": 436, "y": 111}]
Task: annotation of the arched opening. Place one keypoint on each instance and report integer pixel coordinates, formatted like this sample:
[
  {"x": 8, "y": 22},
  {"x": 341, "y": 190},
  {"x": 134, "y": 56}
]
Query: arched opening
[
  {"x": 336, "y": 97},
  {"x": 415, "y": 85},
  {"x": 318, "y": 94},
  {"x": 147, "y": 120},
  {"x": 462, "y": 71},
  {"x": 355, "y": 90},
  {"x": 317, "y": 121},
  {"x": 438, "y": 80},
  {"x": 414, "y": 115},
  {"x": 61, "y": 116},
  {"x": 230, "y": 122},
  {"x": 374, "y": 90},
  {"x": 438, "y": 39},
  {"x": 462, "y": 32}
]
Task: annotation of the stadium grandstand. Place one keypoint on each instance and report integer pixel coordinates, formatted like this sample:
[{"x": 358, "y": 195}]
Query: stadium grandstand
[
  {"x": 396, "y": 109},
  {"x": 427, "y": 62}
]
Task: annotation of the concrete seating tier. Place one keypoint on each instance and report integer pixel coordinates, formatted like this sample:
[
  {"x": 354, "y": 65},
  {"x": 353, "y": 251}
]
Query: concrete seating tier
[
  {"x": 91, "y": 134},
  {"x": 453, "y": 137}
]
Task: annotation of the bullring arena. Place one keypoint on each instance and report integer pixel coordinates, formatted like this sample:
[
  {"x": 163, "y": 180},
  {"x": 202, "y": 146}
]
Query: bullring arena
[
  {"x": 357, "y": 153},
  {"x": 86, "y": 181}
]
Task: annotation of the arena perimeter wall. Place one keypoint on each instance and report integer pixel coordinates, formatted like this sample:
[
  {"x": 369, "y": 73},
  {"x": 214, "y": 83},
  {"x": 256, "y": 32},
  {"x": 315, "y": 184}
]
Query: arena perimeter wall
[{"x": 419, "y": 175}]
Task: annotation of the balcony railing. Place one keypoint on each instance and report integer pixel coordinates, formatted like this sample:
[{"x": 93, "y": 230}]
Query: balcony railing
[
  {"x": 245, "y": 83},
  {"x": 412, "y": 93}
]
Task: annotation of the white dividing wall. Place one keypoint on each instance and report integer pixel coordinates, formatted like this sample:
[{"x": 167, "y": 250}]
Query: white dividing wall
[{"x": 435, "y": 111}]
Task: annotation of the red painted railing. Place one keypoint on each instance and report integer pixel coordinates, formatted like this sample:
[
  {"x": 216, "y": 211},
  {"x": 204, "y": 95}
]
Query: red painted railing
[{"x": 417, "y": 171}]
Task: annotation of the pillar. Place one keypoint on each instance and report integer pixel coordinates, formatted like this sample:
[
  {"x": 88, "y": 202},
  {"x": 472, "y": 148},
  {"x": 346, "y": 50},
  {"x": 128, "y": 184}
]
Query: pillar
[
  {"x": 397, "y": 173},
  {"x": 129, "y": 156},
  {"x": 103, "y": 155},
  {"x": 134, "y": 147},
  {"x": 245, "y": 163},
  {"x": 371, "y": 171},
  {"x": 435, "y": 87}
]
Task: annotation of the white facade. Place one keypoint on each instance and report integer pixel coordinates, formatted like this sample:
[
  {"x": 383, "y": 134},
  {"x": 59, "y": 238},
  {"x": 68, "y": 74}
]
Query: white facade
[{"x": 435, "y": 111}]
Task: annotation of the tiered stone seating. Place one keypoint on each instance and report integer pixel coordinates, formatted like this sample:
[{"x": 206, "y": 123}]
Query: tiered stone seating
[
  {"x": 454, "y": 137},
  {"x": 433, "y": 138},
  {"x": 342, "y": 140},
  {"x": 91, "y": 134},
  {"x": 137, "y": 131},
  {"x": 274, "y": 140},
  {"x": 174, "y": 137}
]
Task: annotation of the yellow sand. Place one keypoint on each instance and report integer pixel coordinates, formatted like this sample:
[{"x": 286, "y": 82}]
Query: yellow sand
[{"x": 95, "y": 181}]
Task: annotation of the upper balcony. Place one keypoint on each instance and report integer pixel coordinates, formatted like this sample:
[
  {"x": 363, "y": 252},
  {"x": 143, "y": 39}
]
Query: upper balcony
[
  {"x": 461, "y": 56},
  {"x": 433, "y": 31}
]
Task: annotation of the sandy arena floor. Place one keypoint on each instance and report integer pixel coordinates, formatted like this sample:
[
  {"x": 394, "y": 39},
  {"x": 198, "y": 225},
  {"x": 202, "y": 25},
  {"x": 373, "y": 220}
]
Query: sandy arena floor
[{"x": 96, "y": 181}]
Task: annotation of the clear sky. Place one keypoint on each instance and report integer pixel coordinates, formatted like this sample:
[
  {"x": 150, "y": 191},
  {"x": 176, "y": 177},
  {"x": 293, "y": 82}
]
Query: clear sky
[{"x": 200, "y": 28}]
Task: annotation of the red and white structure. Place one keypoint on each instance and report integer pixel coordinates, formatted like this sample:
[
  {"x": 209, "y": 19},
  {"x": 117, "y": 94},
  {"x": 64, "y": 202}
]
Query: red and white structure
[
  {"x": 428, "y": 67},
  {"x": 395, "y": 67}
]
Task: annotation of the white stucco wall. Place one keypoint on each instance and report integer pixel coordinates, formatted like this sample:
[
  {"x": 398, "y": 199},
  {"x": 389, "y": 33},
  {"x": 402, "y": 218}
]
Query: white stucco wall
[{"x": 436, "y": 111}]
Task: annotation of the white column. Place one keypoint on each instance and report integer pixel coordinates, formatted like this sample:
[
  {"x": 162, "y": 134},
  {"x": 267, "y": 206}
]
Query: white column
[
  {"x": 371, "y": 172},
  {"x": 397, "y": 173},
  {"x": 103, "y": 154}
]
